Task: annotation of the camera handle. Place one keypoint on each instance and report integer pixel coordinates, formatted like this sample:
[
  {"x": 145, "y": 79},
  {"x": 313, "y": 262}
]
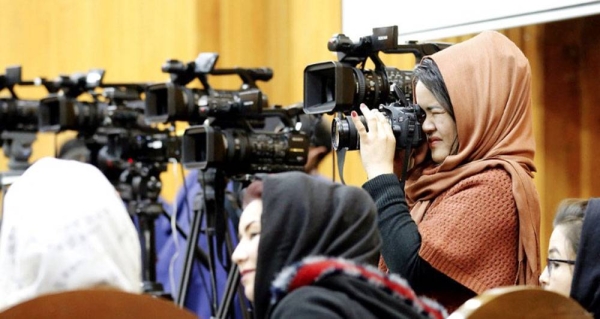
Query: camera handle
[
  {"x": 17, "y": 147},
  {"x": 211, "y": 198},
  {"x": 140, "y": 187}
]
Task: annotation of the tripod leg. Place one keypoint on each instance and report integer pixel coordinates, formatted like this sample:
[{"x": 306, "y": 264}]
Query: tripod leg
[
  {"x": 186, "y": 272},
  {"x": 199, "y": 253},
  {"x": 233, "y": 286}
]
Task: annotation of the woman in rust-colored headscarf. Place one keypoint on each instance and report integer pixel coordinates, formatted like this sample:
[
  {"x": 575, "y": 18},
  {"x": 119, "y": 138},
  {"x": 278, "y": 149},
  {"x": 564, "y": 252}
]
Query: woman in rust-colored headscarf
[{"x": 467, "y": 218}]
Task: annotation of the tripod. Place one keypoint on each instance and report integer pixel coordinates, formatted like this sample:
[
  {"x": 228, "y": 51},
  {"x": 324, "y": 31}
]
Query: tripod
[
  {"x": 140, "y": 187},
  {"x": 211, "y": 198},
  {"x": 17, "y": 147}
]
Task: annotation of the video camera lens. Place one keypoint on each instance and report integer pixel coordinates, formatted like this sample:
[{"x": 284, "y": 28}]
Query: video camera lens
[
  {"x": 18, "y": 115},
  {"x": 344, "y": 133},
  {"x": 406, "y": 122},
  {"x": 167, "y": 102},
  {"x": 239, "y": 151},
  {"x": 336, "y": 87},
  {"x": 58, "y": 113}
]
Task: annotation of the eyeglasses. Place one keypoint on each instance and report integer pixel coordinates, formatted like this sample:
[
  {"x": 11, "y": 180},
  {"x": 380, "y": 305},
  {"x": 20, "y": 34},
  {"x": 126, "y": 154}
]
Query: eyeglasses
[{"x": 551, "y": 263}]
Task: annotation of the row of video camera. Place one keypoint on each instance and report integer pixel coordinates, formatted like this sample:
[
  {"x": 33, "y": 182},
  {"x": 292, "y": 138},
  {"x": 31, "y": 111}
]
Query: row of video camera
[{"x": 229, "y": 129}]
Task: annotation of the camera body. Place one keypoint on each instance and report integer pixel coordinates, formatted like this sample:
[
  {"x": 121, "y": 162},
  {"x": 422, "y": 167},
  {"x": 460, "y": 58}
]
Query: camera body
[
  {"x": 228, "y": 126},
  {"x": 18, "y": 115},
  {"x": 342, "y": 86}
]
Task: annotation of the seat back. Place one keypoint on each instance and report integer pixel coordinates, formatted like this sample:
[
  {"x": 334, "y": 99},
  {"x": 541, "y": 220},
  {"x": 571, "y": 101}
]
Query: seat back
[
  {"x": 96, "y": 304},
  {"x": 520, "y": 302}
]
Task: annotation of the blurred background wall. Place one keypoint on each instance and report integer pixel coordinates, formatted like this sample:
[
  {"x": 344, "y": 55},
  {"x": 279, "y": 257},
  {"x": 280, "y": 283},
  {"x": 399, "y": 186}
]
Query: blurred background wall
[{"x": 132, "y": 39}]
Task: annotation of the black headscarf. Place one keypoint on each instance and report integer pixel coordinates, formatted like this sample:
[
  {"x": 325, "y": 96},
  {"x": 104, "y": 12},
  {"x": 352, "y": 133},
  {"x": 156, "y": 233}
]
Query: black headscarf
[
  {"x": 309, "y": 216},
  {"x": 585, "y": 287}
]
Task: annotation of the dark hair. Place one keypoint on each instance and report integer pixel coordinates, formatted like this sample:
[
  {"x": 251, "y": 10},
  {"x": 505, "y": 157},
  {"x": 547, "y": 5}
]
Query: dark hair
[
  {"x": 570, "y": 214},
  {"x": 75, "y": 149},
  {"x": 428, "y": 73},
  {"x": 322, "y": 134},
  {"x": 252, "y": 192},
  {"x": 318, "y": 128}
]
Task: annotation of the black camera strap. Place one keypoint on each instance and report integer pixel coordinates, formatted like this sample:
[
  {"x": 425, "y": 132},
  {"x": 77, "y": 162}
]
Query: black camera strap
[
  {"x": 341, "y": 157},
  {"x": 406, "y": 162}
]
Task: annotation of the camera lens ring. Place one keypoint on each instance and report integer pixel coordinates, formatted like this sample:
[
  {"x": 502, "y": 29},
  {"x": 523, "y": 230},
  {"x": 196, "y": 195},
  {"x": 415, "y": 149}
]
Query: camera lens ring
[
  {"x": 344, "y": 134},
  {"x": 336, "y": 127},
  {"x": 361, "y": 86}
]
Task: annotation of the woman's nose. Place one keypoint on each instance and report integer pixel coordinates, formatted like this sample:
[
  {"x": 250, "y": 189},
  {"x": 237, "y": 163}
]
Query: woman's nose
[
  {"x": 238, "y": 254},
  {"x": 428, "y": 126},
  {"x": 544, "y": 277}
]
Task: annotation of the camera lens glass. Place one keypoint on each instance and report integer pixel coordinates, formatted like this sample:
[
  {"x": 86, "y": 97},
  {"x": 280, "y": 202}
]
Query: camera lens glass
[
  {"x": 344, "y": 133},
  {"x": 336, "y": 127}
]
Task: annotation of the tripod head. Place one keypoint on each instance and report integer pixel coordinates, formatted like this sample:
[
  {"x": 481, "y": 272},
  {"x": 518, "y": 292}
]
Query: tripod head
[
  {"x": 140, "y": 185},
  {"x": 17, "y": 147}
]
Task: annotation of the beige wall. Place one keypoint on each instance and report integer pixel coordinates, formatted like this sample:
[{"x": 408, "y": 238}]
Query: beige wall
[{"x": 132, "y": 39}]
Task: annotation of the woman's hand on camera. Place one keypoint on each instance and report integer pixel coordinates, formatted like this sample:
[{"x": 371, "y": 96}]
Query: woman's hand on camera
[{"x": 377, "y": 146}]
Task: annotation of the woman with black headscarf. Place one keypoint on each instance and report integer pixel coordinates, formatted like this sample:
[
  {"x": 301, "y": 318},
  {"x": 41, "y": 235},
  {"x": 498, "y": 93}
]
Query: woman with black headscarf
[{"x": 308, "y": 249}]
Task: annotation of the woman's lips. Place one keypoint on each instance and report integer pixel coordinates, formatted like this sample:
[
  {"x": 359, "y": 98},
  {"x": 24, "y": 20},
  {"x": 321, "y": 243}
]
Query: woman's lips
[
  {"x": 433, "y": 142},
  {"x": 246, "y": 271}
]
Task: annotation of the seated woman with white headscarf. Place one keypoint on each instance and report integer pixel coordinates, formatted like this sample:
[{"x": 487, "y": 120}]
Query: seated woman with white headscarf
[{"x": 64, "y": 227}]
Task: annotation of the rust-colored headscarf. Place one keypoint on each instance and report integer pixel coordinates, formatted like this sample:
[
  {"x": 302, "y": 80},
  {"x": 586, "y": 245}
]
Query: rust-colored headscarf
[{"x": 489, "y": 82}]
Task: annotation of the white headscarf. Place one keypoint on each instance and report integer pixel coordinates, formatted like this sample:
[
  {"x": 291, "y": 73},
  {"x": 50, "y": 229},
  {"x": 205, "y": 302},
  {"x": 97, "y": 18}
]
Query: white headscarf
[{"x": 64, "y": 228}]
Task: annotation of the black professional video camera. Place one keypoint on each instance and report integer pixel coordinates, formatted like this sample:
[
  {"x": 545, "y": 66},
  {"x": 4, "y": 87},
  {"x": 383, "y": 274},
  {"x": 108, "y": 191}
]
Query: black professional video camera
[
  {"x": 244, "y": 151},
  {"x": 236, "y": 147},
  {"x": 17, "y": 114},
  {"x": 234, "y": 135},
  {"x": 121, "y": 147},
  {"x": 341, "y": 86},
  {"x": 173, "y": 101},
  {"x": 18, "y": 123},
  {"x": 117, "y": 104}
]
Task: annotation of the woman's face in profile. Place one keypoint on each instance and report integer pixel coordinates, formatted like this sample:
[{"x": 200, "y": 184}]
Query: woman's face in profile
[
  {"x": 558, "y": 275},
  {"x": 438, "y": 125},
  {"x": 246, "y": 253}
]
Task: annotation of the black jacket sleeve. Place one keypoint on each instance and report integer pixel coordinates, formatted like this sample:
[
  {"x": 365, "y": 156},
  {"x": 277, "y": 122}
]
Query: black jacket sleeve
[
  {"x": 400, "y": 235},
  {"x": 315, "y": 302}
]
